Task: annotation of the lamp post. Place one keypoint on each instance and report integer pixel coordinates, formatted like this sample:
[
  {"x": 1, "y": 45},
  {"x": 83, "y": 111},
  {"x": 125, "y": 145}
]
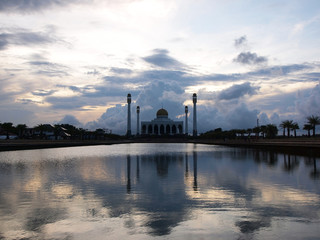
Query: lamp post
[
  {"x": 195, "y": 132},
  {"x": 129, "y": 115}
]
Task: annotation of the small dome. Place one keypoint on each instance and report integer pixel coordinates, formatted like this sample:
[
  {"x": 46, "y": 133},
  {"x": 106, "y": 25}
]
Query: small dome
[{"x": 162, "y": 113}]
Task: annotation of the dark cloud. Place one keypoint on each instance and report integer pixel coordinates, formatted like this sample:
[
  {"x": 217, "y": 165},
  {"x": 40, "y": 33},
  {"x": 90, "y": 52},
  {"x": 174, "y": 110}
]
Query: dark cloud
[
  {"x": 237, "y": 91},
  {"x": 240, "y": 41},
  {"x": 68, "y": 103},
  {"x": 120, "y": 70},
  {"x": 27, "y": 101},
  {"x": 49, "y": 69},
  {"x": 23, "y": 37},
  {"x": 160, "y": 58},
  {"x": 30, "y": 6},
  {"x": 41, "y": 92},
  {"x": 145, "y": 77},
  {"x": 94, "y": 72},
  {"x": 250, "y": 58},
  {"x": 98, "y": 91},
  {"x": 26, "y": 6},
  {"x": 285, "y": 70}
]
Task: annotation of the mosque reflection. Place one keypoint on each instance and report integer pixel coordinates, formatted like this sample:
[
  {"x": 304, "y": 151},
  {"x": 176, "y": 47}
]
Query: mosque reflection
[
  {"x": 160, "y": 192},
  {"x": 165, "y": 211},
  {"x": 165, "y": 202}
]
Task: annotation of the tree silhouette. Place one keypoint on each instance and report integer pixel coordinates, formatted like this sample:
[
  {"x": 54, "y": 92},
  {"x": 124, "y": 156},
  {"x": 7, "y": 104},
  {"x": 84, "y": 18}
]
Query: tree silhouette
[
  {"x": 271, "y": 131},
  {"x": 287, "y": 124},
  {"x": 263, "y": 130},
  {"x": 7, "y": 126},
  {"x": 257, "y": 130},
  {"x": 283, "y": 127},
  {"x": 41, "y": 128},
  {"x": 313, "y": 121},
  {"x": 295, "y": 127},
  {"x": 307, "y": 127},
  {"x": 20, "y": 129}
]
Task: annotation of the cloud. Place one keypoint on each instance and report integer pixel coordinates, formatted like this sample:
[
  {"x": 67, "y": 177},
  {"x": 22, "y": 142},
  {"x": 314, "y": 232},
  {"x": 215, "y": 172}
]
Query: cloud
[
  {"x": 49, "y": 69},
  {"x": 237, "y": 91},
  {"x": 67, "y": 103},
  {"x": 250, "y": 58},
  {"x": 308, "y": 103},
  {"x": 152, "y": 97},
  {"x": 120, "y": 70},
  {"x": 23, "y": 37},
  {"x": 167, "y": 88},
  {"x": 98, "y": 91},
  {"x": 72, "y": 120},
  {"x": 228, "y": 116},
  {"x": 30, "y": 5},
  {"x": 41, "y": 92},
  {"x": 27, "y": 101},
  {"x": 242, "y": 41},
  {"x": 94, "y": 72},
  {"x": 114, "y": 118},
  {"x": 160, "y": 58}
]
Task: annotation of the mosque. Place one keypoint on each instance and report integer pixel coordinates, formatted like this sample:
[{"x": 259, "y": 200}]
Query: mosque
[{"x": 162, "y": 124}]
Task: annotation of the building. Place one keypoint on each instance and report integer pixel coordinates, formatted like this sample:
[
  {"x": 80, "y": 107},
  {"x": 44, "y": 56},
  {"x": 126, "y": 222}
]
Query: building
[{"x": 162, "y": 125}]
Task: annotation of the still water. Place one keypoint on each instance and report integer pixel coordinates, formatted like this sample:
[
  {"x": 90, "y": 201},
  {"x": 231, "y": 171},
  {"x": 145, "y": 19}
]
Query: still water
[{"x": 158, "y": 191}]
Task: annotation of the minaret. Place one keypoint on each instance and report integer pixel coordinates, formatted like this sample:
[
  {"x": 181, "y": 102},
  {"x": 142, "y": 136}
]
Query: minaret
[
  {"x": 138, "y": 121},
  {"x": 129, "y": 115},
  {"x": 194, "y": 97},
  {"x": 186, "y": 111}
]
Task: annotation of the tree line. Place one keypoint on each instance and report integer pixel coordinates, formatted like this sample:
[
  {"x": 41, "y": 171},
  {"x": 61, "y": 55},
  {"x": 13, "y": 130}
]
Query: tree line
[
  {"x": 265, "y": 131},
  {"x": 57, "y": 131},
  {"x": 289, "y": 125},
  {"x": 68, "y": 131}
]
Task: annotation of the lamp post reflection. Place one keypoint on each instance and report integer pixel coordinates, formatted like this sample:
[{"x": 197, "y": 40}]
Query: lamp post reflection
[
  {"x": 290, "y": 164},
  {"x": 138, "y": 168},
  {"x": 195, "y": 162},
  {"x": 315, "y": 174},
  {"x": 128, "y": 174}
]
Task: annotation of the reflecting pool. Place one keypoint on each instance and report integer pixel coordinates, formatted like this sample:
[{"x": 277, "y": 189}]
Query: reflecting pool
[{"x": 160, "y": 191}]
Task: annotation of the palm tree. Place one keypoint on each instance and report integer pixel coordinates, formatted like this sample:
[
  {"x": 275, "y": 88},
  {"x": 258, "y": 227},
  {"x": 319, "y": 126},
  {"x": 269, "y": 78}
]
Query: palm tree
[
  {"x": 287, "y": 124},
  {"x": 307, "y": 127},
  {"x": 313, "y": 121},
  {"x": 282, "y": 125},
  {"x": 294, "y": 127}
]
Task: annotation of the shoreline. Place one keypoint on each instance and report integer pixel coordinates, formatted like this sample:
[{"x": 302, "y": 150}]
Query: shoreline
[{"x": 299, "y": 146}]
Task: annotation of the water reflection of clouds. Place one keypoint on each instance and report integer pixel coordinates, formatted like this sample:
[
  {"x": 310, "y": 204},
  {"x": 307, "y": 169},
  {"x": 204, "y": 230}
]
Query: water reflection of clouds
[{"x": 226, "y": 194}]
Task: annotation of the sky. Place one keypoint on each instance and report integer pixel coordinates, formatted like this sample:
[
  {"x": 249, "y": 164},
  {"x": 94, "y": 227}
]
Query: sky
[{"x": 75, "y": 61}]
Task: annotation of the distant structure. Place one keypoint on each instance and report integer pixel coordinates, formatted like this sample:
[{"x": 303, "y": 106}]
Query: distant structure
[
  {"x": 162, "y": 125},
  {"x": 186, "y": 111},
  {"x": 129, "y": 115},
  {"x": 138, "y": 120},
  {"x": 195, "y": 132}
]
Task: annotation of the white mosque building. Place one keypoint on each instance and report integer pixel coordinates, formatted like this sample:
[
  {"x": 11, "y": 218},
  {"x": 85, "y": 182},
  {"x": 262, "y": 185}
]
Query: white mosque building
[{"x": 162, "y": 124}]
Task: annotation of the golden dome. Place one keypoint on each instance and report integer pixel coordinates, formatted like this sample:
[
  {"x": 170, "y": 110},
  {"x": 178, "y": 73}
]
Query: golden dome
[{"x": 162, "y": 113}]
